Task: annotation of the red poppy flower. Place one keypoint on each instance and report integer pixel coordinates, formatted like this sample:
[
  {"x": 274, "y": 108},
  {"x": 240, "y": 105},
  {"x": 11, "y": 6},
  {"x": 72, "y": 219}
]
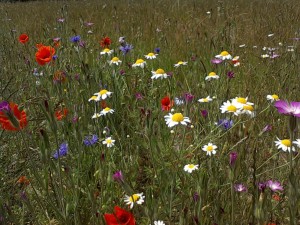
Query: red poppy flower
[
  {"x": 44, "y": 54},
  {"x": 105, "y": 42},
  {"x": 60, "y": 114},
  {"x": 119, "y": 217},
  {"x": 166, "y": 104},
  {"x": 14, "y": 119},
  {"x": 23, "y": 38}
]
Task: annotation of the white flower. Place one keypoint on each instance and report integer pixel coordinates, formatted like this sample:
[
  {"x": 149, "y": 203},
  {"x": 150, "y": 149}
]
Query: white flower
[
  {"x": 151, "y": 55},
  {"x": 207, "y": 99},
  {"x": 180, "y": 63},
  {"x": 108, "y": 142},
  {"x": 102, "y": 94},
  {"x": 93, "y": 98},
  {"x": 139, "y": 63},
  {"x": 159, "y": 222},
  {"x": 265, "y": 56},
  {"x": 96, "y": 115},
  {"x": 115, "y": 60},
  {"x": 239, "y": 102},
  {"x": 236, "y": 61},
  {"x": 160, "y": 73},
  {"x": 224, "y": 55},
  {"x": 175, "y": 119},
  {"x": 297, "y": 142},
  {"x": 106, "y": 111},
  {"x": 248, "y": 109},
  {"x": 106, "y": 51},
  {"x": 210, "y": 149},
  {"x": 284, "y": 144},
  {"x": 270, "y": 35},
  {"x": 190, "y": 168},
  {"x": 212, "y": 75},
  {"x": 273, "y": 98},
  {"x": 243, "y": 45},
  {"x": 230, "y": 107},
  {"x": 135, "y": 198}
]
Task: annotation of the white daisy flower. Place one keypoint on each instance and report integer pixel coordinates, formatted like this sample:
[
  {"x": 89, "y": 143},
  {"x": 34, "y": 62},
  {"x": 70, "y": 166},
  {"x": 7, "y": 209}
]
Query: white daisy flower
[
  {"x": 224, "y": 55},
  {"x": 297, "y": 142},
  {"x": 207, "y": 99},
  {"x": 273, "y": 98},
  {"x": 212, "y": 75},
  {"x": 106, "y": 51},
  {"x": 248, "y": 109},
  {"x": 180, "y": 63},
  {"x": 115, "y": 60},
  {"x": 103, "y": 94},
  {"x": 230, "y": 107},
  {"x": 190, "y": 168},
  {"x": 109, "y": 142},
  {"x": 284, "y": 144},
  {"x": 159, "y": 222},
  {"x": 239, "y": 102},
  {"x": 175, "y": 119},
  {"x": 106, "y": 111},
  {"x": 135, "y": 198},
  {"x": 151, "y": 55},
  {"x": 210, "y": 149},
  {"x": 160, "y": 73},
  {"x": 93, "y": 98},
  {"x": 96, "y": 115},
  {"x": 139, "y": 63}
]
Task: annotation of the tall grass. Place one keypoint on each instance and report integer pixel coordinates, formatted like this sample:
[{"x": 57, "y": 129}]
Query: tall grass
[{"x": 79, "y": 188}]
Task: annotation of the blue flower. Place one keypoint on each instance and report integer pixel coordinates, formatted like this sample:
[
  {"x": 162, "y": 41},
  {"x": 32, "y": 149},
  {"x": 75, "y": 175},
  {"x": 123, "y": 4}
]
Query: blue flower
[
  {"x": 75, "y": 39},
  {"x": 90, "y": 140},
  {"x": 62, "y": 151},
  {"x": 126, "y": 48},
  {"x": 225, "y": 123},
  {"x": 157, "y": 50}
]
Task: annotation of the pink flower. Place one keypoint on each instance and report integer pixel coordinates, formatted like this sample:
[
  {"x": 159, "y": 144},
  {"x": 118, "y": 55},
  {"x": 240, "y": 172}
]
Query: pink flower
[{"x": 286, "y": 108}]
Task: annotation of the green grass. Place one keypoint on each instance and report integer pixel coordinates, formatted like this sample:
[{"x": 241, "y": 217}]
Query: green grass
[{"x": 79, "y": 188}]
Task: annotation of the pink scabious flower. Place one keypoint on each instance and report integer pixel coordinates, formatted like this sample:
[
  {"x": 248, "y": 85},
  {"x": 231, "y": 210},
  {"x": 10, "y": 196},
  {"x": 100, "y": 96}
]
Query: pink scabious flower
[
  {"x": 274, "y": 185},
  {"x": 286, "y": 108}
]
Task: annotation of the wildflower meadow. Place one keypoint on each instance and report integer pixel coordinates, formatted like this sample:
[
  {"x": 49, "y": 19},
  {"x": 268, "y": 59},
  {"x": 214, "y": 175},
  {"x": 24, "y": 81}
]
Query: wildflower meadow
[{"x": 150, "y": 112}]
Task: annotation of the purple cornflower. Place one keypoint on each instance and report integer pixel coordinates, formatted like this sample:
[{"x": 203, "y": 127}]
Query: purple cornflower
[
  {"x": 286, "y": 108},
  {"x": 230, "y": 74},
  {"x": 90, "y": 140},
  {"x": 62, "y": 151},
  {"x": 240, "y": 188},
  {"x": 156, "y": 50},
  {"x": 126, "y": 48},
  {"x": 4, "y": 106},
  {"x": 225, "y": 123},
  {"x": 232, "y": 158},
  {"x": 188, "y": 97},
  {"x": 54, "y": 57},
  {"x": 274, "y": 185},
  {"x": 118, "y": 176},
  {"x": 139, "y": 96},
  {"x": 262, "y": 186},
  {"x": 216, "y": 61},
  {"x": 204, "y": 113},
  {"x": 75, "y": 39}
]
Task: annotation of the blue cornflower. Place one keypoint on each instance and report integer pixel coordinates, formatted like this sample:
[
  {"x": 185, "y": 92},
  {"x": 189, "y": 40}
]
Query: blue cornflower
[
  {"x": 90, "y": 140},
  {"x": 62, "y": 151},
  {"x": 126, "y": 48},
  {"x": 75, "y": 39},
  {"x": 157, "y": 50},
  {"x": 225, "y": 123}
]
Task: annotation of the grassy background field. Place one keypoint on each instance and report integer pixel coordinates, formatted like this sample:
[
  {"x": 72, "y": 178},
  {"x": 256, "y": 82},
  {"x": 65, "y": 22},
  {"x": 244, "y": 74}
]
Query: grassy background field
[{"x": 79, "y": 188}]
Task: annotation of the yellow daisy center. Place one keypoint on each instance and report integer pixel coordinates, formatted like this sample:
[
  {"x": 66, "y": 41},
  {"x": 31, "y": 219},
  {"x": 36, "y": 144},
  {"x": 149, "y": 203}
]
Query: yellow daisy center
[
  {"x": 108, "y": 141},
  {"x": 139, "y": 61},
  {"x": 209, "y": 148},
  {"x": 106, "y": 50},
  {"x": 191, "y": 166},
  {"x": 205, "y": 100},
  {"x": 241, "y": 100},
  {"x": 115, "y": 59},
  {"x": 103, "y": 92},
  {"x": 212, "y": 74},
  {"x": 248, "y": 107},
  {"x": 275, "y": 97},
  {"x": 231, "y": 108},
  {"x": 106, "y": 109},
  {"x": 286, "y": 142},
  {"x": 224, "y": 53},
  {"x": 160, "y": 71},
  {"x": 134, "y": 198},
  {"x": 151, "y": 54},
  {"x": 177, "y": 117},
  {"x": 180, "y": 62},
  {"x": 93, "y": 98}
]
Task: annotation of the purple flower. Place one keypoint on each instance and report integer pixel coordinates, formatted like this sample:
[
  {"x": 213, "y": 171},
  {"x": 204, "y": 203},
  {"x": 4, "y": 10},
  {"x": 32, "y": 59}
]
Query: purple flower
[
  {"x": 240, "y": 188},
  {"x": 262, "y": 186},
  {"x": 126, "y": 48},
  {"x": 225, "y": 123},
  {"x": 216, "y": 61},
  {"x": 274, "y": 185},
  {"x": 118, "y": 176},
  {"x": 139, "y": 96},
  {"x": 56, "y": 39},
  {"x": 90, "y": 140},
  {"x": 82, "y": 44},
  {"x": 196, "y": 197},
  {"x": 286, "y": 108},
  {"x": 267, "y": 128},
  {"x": 122, "y": 72},
  {"x": 230, "y": 74},
  {"x": 75, "y": 39},
  {"x": 4, "y": 106},
  {"x": 61, "y": 20},
  {"x": 54, "y": 57},
  {"x": 193, "y": 58},
  {"x": 156, "y": 50},
  {"x": 88, "y": 24},
  {"x": 188, "y": 97},
  {"x": 232, "y": 158},
  {"x": 274, "y": 55},
  {"x": 62, "y": 151},
  {"x": 204, "y": 113}
]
